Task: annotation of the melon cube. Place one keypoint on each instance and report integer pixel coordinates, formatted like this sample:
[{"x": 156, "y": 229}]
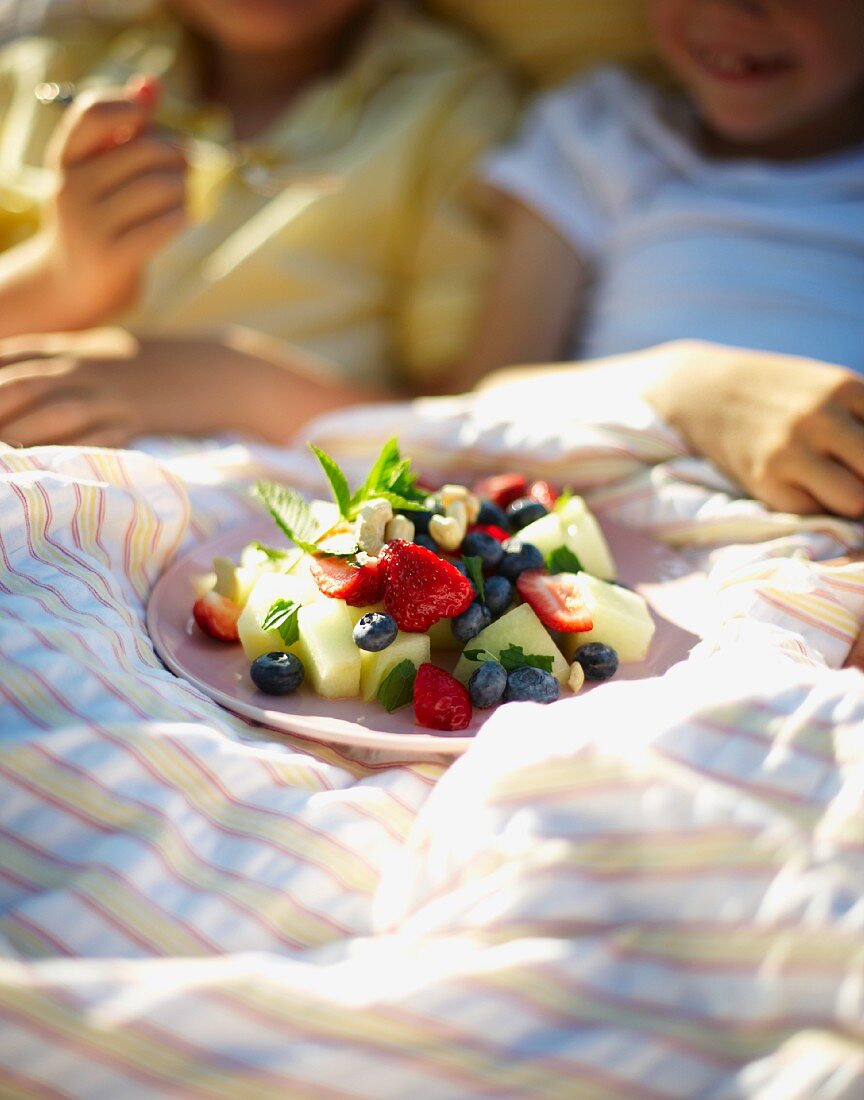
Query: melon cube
[
  {"x": 546, "y": 533},
  {"x": 518, "y": 627},
  {"x": 357, "y": 613},
  {"x": 269, "y": 588},
  {"x": 441, "y": 635},
  {"x": 234, "y": 582},
  {"x": 583, "y": 536},
  {"x": 375, "y": 666},
  {"x": 621, "y": 619},
  {"x": 327, "y": 649}
]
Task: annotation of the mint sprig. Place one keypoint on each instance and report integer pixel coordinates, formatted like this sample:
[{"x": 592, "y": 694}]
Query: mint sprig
[
  {"x": 391, "y": 478},
  {"x": 337, "y": 479},
  {"x": 293, "y": 517},
  {"x": 512, "y": 657},
  {"x": 397, "y": 687},
  {"x": 474, "y": 568},
  {"x": 282, "y": 616},
  {"x": 563, "y": 560}
]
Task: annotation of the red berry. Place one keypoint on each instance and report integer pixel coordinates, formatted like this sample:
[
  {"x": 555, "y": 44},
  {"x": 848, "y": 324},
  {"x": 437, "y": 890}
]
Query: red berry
[
  {"x": 543, "y": 493},
  {"x": 420, "y": 587},
  {"x": 357, "y": 585},
  {"x": 502, "y": 488},
  {"x": 440, "y": 701},
  {"x": 489, "y": 529},
  {"x": 217, "y": 616},
  {"x": 556, "y": 600}
]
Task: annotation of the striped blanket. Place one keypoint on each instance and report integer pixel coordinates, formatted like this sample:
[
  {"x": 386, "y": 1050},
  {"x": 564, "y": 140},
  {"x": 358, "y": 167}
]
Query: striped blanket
[{"x": 655, "y": 890}]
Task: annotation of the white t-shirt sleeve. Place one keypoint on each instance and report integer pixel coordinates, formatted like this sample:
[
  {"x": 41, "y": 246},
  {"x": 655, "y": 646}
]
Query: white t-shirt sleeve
[{"x": 574, "y": 161}]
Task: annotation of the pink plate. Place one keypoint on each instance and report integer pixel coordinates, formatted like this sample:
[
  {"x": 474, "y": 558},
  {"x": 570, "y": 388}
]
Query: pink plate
[{"x": 221, "y": 671}]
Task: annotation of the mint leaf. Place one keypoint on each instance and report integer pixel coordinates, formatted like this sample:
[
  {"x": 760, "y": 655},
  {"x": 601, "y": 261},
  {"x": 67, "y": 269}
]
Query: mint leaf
[
  {"x": 293, "y": 517},
  {"x": 282, "y": 616},
  {"x": 271, "y": 552},
  {"x": 479, "y": 655},
  {"x": 290, "y": 512},
  {"x": 377, "y": 478},
  {"x": 338, "y": 481},
  {"x": 397, "y": 687},
  {"x": 563, "y": 560},
  {"x": 390, "y": 478},
  {"x": 514, "y": 657},
  {"x": 474, "y": 566}
]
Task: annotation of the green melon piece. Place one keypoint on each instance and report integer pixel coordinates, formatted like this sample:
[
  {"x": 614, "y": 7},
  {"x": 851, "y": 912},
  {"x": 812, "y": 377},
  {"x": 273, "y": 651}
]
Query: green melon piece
[
  {"x": 357, "y": 613},
  {"x": 518, "y": 627},
  {"x": 441, "y": 635},
  {"x": 621, "y": 619},
  {"x": 546, "y": 533},
  {"x": 375, "y": 666},
  {"x": 269, "y": 588},
  {"x": 327, "y": 649},
  {"x": 583, "y": 536}
]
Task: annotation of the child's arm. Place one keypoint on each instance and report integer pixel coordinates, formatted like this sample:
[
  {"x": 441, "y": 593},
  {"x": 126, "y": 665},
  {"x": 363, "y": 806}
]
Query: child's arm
[
  {"x": 105, "y": 388},
  {"x": 119, "y": 199},
  {"x": 533, "y": 299},
  {"x": 789, "y": 430}
]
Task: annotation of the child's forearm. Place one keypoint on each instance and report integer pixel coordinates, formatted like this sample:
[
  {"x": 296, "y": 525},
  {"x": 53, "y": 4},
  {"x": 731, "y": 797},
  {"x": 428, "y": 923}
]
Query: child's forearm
[{"x": 31, "y": 299}]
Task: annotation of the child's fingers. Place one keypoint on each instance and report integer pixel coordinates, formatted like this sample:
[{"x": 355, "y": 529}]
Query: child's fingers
[
  {"x": 96, "y": 122},
  {"x": 140, "y": 242},
  {"x": 845, "y": 441},
  {"x": 832, "y": 484},
  {"x": 97, "y": 178},
  {"x": 140, "y": 198},
  {"x": 63, "y": 416},
  {"x": 141, "y": 201}
]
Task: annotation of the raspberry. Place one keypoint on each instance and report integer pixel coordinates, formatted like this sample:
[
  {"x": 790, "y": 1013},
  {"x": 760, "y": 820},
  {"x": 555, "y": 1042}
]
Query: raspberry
[
  {"x": 440, "y": 701},
  {"x": 357, "y": 585},
  {"x": 543, "y": 493},
  {"x": 419, "y": 587}
]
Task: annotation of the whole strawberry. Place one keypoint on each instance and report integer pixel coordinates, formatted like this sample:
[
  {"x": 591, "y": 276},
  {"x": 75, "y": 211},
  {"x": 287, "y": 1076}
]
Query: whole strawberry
[
  {"x": 420, "y": 587},
  {"x": 440, "y": 701}
]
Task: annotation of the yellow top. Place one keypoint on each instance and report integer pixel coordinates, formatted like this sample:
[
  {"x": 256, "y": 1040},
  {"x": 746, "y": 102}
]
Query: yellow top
[
  {"x": 347, "y": 227},
  {"x": 550, "y": 40}
]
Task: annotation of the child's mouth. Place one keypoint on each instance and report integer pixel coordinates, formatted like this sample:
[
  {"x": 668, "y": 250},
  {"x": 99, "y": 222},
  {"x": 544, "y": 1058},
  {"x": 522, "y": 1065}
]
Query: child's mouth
[{"x": 733, "y": 64}]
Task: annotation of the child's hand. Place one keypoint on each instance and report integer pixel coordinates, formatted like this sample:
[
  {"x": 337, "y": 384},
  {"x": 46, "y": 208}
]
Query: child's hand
[
  {"x": 119, "y": 200},
  {"x": 790, "y": 430}
]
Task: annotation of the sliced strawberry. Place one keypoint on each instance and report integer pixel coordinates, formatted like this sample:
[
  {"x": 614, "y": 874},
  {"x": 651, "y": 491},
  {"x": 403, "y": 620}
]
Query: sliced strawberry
[
  {"x": 419, "y": 587},
  {"x": 556, "y": 600},
  {"x": 440, "y": 701},
  {"x": 502, "y": 488},
  {"x": 357, "y": 585},
  {"x": 543, "y": 493},
  {"x": 489, "y": 529},
  {"x": 217, "y": 616}
]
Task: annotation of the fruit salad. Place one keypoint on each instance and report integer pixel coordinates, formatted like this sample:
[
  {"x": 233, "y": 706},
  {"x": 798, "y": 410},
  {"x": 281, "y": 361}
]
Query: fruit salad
[{"x": 380, "y": 588}]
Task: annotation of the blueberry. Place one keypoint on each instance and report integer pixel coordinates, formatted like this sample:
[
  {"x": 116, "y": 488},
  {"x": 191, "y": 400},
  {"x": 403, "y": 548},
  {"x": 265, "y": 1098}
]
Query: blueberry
[
  {"x": 470, "y": 622},
  {"x": 491, "y": 515},
  {"x": 277, "y": 673},
  {"x": 428, "y": 542},
  {"x": 519, "y": 556},
  {"x": 598, "y": 661},
  {"x": 375, "y": 631},
  {"x": 479, "y": 545},
  {"x": 487, "y": 684},
  {"x": 499, "y": 595},
  {"x": 523, "y": 511},
  {"x": 533, "y": 685}
]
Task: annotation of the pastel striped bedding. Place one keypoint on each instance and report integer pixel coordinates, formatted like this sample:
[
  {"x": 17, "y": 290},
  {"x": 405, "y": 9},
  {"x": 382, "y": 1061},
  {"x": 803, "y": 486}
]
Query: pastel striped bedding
[{"x": 655, "y": 890}]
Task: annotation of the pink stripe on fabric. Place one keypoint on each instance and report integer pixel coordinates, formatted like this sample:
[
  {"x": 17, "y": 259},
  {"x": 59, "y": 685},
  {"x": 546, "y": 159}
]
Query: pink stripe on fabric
[
  {"x": 796, "y": 613},
  {"x": 255, "y": 915},
  {"x": 29, "y": 1086}
]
